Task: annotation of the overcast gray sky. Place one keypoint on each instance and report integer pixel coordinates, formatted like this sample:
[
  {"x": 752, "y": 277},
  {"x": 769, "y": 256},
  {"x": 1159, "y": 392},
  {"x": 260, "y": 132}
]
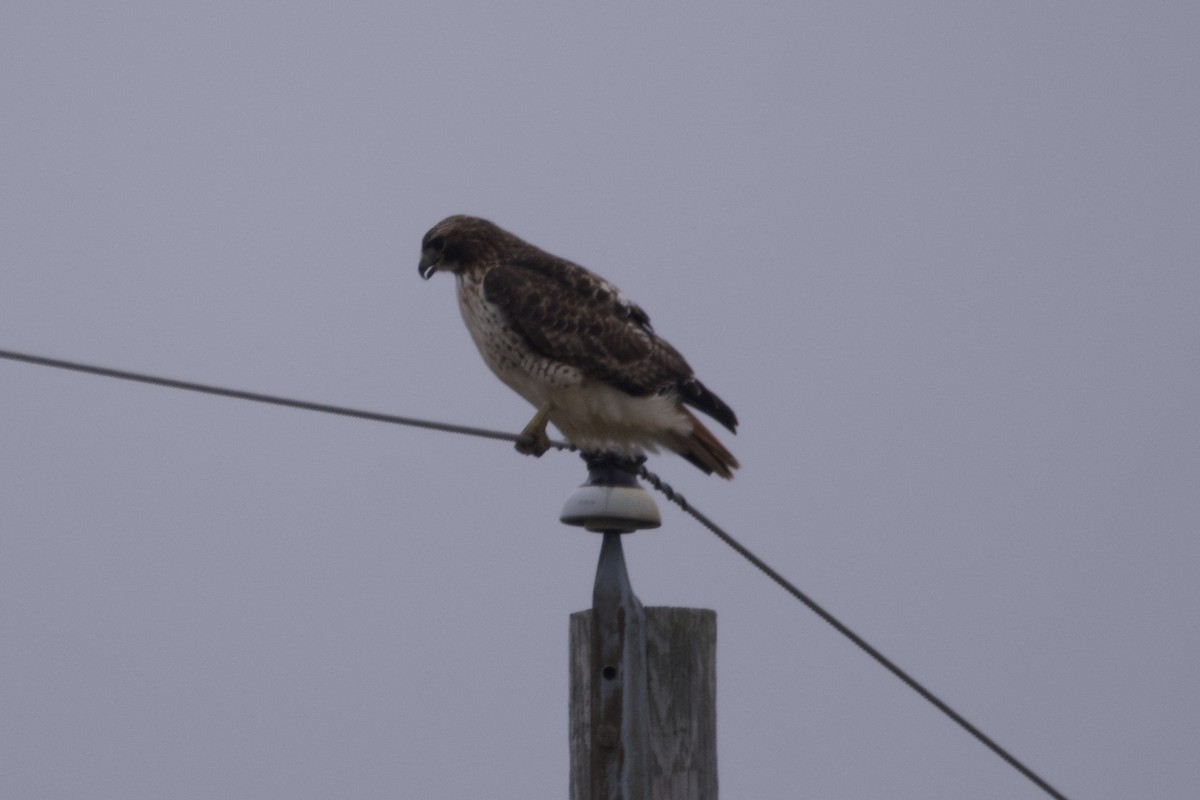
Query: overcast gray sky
[{"x": 943, "y": 259}]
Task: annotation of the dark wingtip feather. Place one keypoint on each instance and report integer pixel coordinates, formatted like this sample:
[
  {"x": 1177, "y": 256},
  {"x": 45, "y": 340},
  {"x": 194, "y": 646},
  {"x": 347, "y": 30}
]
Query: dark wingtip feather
[{"x": 699, "y": 397}]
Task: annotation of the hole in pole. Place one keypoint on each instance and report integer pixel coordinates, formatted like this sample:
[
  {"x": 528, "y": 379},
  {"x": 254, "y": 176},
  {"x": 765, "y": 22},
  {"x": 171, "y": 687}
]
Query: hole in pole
[{"x": 609, "y": 673}]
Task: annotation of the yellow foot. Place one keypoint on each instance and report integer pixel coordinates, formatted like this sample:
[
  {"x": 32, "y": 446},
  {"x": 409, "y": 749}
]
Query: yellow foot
[
  {"x": 533, "y": 445},
  {"x": 533, "y": 441}
]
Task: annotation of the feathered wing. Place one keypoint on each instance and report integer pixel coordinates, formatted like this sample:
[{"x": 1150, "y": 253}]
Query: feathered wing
[{"x": 571, "y": 315}]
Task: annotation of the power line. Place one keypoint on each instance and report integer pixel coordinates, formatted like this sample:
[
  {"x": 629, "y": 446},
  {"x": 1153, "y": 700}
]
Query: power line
[
  {"x": 240, "y": 394},
  {"x": 649, "y": 476},
  {"x": 841, "y": 628}
]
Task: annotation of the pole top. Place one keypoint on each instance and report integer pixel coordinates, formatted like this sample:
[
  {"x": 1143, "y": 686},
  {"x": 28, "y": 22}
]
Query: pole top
[{"x": 611, "y": 500}]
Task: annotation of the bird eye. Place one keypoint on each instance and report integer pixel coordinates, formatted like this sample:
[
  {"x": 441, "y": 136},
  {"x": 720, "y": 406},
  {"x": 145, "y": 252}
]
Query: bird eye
[{"x": 437, "y": 243}]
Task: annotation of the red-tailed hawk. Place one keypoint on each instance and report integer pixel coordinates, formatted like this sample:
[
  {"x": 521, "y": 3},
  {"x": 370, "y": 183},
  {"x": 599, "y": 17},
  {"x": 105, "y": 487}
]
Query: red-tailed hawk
[{"x": 572, "y": 345}]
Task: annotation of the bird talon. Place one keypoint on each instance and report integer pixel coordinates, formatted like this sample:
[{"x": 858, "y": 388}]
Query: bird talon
[
  {"x": 531, "y": 444},
  {"x": 533, "y": 441}
]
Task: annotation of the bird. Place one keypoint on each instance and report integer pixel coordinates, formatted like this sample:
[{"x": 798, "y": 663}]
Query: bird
[{"x": 578, "y": 350}]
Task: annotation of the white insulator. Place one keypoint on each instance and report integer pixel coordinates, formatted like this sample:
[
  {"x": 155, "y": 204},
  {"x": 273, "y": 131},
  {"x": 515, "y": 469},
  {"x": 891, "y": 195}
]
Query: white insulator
[{"x": 611, "y": 508}]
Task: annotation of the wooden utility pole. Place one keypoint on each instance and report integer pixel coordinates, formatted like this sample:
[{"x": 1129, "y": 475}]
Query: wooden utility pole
[{"x": 643, "y": 681}]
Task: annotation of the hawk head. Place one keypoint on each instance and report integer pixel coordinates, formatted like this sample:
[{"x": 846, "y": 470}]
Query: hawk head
[{"x": 457, "y": 243}]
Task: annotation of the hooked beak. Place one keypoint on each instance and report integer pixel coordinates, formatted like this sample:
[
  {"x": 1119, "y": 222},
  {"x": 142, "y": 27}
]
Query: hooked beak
[{"x": 429, "y": 265}]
